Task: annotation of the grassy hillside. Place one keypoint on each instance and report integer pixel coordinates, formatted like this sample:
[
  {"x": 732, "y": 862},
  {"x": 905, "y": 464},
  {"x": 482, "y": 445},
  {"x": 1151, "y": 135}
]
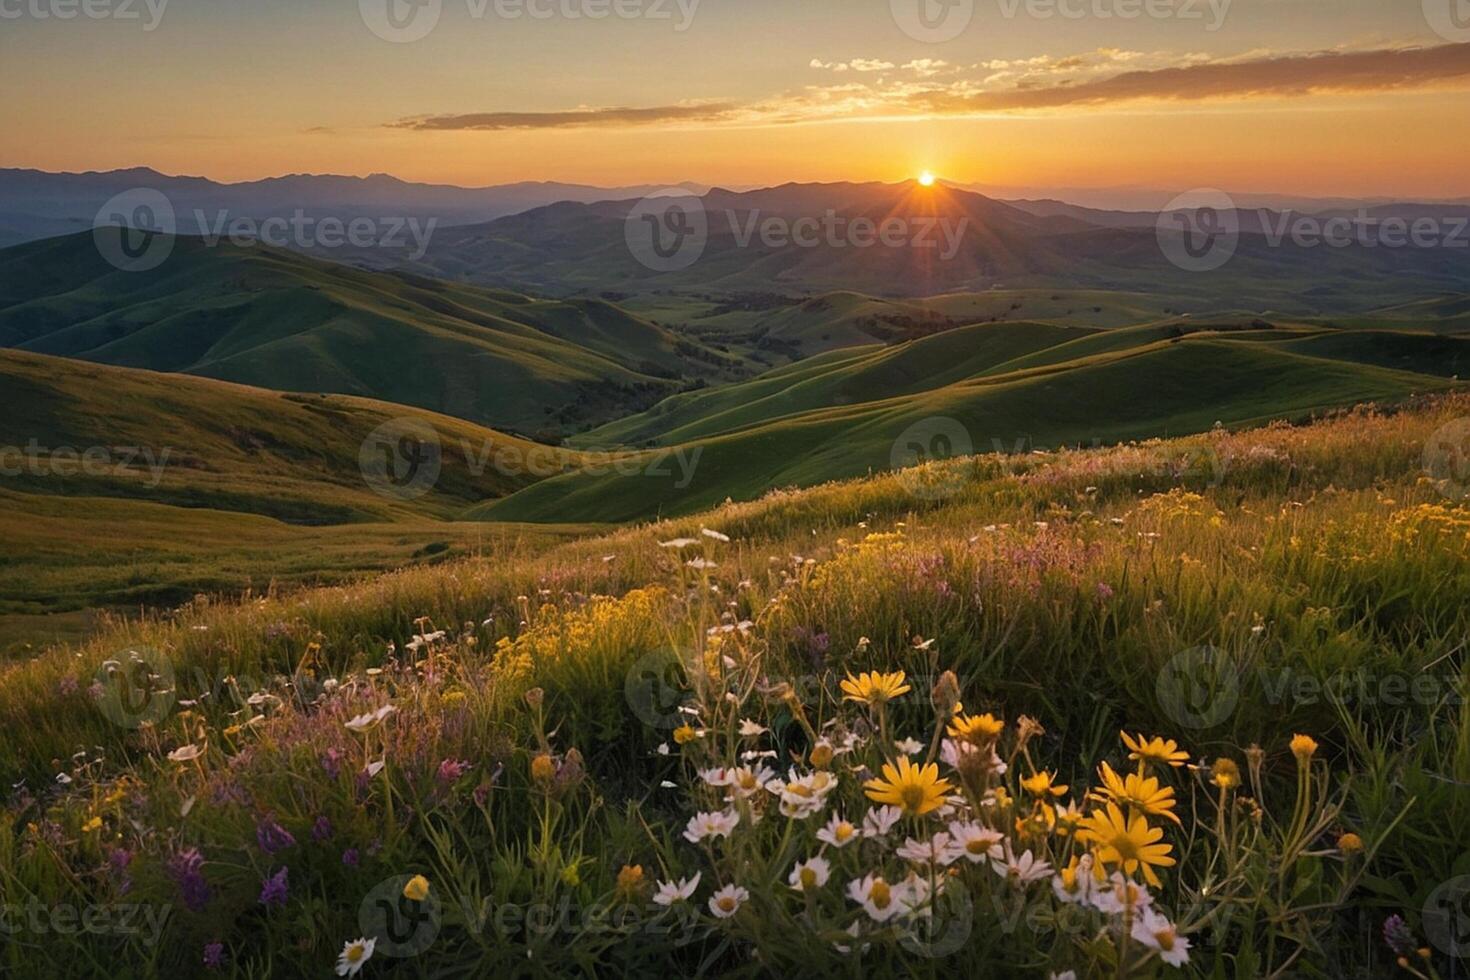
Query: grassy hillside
[
  {"x": 531, "y": 758},
  {"x": 843, "y": 377},
  {"x": 124, "y": 488},
  {"x": 1167, "y": 387},
  {"x": 193, "y": 442},
  {"x": 275, "y": 319}
]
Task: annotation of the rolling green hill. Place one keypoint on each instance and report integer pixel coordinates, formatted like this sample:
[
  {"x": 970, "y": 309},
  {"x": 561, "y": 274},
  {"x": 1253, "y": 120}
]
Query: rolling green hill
[
  {"x": 842, "y": 377},
  {"x": 274, "y": 319},
  {"x": 1164, "y": 387},
  {"x": 121, "y": 487},
  {"x": 195, "y": 442}
]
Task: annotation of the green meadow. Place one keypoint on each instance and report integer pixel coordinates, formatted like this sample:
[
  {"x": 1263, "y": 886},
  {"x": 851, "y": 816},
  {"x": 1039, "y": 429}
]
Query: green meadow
[{"x": 556, "y": 716}]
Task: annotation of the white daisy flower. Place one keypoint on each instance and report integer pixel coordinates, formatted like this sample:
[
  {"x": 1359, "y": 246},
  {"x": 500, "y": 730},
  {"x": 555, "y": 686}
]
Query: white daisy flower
[
  {"x": 880, "y": 820},
  {"x": 750, "y": 728},
  {"x": 718, "y": 776},
  {"x": 876, "y": 896},
  {"x": 354, "y": 956},
  {"x": 1157, "y": 932},
  {"x": 909, "y": 746},
  {"x": 939, "y": 849},
  {"x": 1022, "y": 869},
  {"x": 839, "y": 832},
  {"x": 976, "y": 842},
  {"x": 1074, "y": 885},
  {"x": 670, "y": 892},
  {"x": 745, "y": 781},
  {"x": 810, "y": 874},
  {"x": 186, "y": 753},
  {"x": 727, "y": 901},
  {"x": 710, "y": 824},
  {"x": 1120, "y": 895}
]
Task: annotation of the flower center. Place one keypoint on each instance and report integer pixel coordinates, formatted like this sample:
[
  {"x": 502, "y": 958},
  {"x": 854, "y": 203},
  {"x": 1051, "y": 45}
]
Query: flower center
[
  {"x": 727, "y": 904},
  {"x": 912, "y": 796},
  {"x": 880, "y": 894},
  {"x": 808, "y": 878}
]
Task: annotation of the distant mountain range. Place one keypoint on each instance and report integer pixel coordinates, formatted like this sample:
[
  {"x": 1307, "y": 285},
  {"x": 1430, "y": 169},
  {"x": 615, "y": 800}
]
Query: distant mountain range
[
  {"x": 36, "y": 204},
  {"x": 950, "y": 240},
  {"x": 277, "y": 319}
]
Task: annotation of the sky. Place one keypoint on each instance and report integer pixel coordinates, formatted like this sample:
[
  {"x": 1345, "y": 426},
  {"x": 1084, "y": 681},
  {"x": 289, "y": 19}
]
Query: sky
[{"x": 1313, "y": 97}]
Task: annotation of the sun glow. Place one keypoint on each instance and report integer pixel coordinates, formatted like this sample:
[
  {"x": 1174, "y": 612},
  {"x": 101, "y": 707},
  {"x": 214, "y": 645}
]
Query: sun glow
[{"x": 926, "y": 179}]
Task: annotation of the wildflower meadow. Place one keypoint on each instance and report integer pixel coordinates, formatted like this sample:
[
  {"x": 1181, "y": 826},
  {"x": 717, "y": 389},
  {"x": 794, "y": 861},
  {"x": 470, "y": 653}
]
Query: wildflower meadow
[{"x": 1174, "y": 708}]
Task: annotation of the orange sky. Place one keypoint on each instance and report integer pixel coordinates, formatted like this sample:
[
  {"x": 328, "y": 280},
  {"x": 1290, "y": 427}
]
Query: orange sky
[{"x": 1297, "y": 96}]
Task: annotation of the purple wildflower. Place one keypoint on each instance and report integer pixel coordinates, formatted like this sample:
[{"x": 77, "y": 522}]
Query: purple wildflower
[
  {"x": 187, "y": 870},
  {"x": 1398, "y": 935},
  {"x": 273, "y": 889},
  {"x": 118, "y": 860},
  {"x": 332, "y": 762},
  {"x": 272, "y": 837},
  {"x": 349, "y": 857},
  {"x": 1104, "y": 591},
  {"x": 321, "y": 830},
  {"x": 450, "y": 771},
  {"x": 214, "y": 955}
]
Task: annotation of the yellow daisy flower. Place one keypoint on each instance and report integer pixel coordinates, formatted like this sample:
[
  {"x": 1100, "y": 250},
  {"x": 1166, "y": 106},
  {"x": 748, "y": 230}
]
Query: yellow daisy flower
[
  {"x": 874, "y": 687},
  {"x": 915, "y": 790},
  {"x": 1159, "y": 751},
  {"x": 1041, "y": 785},
  {"x": 976, "y": 729},
  {"x": 1128, "y": 844},
  {"x": 1142, "y": 793}
]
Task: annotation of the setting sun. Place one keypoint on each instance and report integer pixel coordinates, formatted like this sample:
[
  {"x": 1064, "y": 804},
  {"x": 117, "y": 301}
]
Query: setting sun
[{"x": 926, "y": 179}]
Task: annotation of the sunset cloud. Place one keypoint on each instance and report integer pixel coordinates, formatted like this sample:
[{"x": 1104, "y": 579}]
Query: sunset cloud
[
  {"x": 570, "y": 118},
  {"x": 1095, "y": 79}
]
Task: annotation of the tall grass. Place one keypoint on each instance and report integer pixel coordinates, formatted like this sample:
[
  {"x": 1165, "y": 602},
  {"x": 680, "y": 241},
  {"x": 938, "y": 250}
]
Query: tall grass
[{"x": 1226, "y": 591}]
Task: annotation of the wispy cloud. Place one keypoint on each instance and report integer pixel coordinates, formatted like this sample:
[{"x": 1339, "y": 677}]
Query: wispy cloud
[
  {"x": 1279, "y": 76},
  {"x": 571, "y": 118},
  {"x": 1096, "y": 79}
]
